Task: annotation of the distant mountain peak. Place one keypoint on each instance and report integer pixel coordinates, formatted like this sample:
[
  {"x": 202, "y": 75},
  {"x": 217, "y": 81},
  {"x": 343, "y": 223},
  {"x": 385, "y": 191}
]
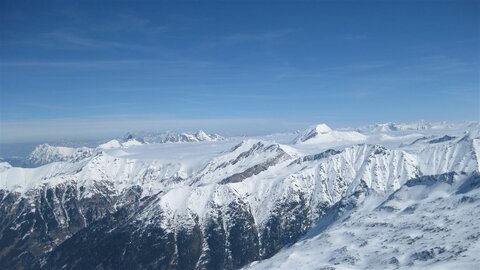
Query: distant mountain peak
[
  {"x": 322, "y": 133},
  {"x": 322, "y": 128},
  {"x": 46, "y": 153}
]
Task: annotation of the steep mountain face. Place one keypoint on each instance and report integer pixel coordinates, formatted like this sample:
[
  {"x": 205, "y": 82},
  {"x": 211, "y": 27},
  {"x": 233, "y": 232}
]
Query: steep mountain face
[
  {"x": 244, "y": 220},
  {"x": 451, "y": 155},
  {"x": 228, "y": 204},
  {"x": 34, "y": 224}
]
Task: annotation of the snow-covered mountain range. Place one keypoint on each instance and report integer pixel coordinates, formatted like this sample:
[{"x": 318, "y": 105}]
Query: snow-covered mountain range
[
  {"x": 169, "y": 136},
  {"x": 383, "y": 196},
  {"x": 45, "y": 153}
]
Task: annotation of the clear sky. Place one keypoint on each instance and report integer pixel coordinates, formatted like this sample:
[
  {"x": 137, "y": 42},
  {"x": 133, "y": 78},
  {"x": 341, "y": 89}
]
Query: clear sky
[{"x": 97, "y": 68}]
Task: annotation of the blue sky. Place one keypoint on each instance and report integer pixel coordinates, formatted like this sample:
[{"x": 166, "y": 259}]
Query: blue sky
[{"x": 102, "y": 68}]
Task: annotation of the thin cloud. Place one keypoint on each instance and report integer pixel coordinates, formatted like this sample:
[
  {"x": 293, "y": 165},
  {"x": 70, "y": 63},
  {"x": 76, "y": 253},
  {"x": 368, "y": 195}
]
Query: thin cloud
[
  {"x": 272, "y": 96},
  {"x": 44, "y": 106},
  {"x": 125, "y": 23},
  {"x": 70, "y": 40},
  {"x": 55, "y": 107},
  {"x": 334, "y": 70},
  {"x": 258, "y": 37},
  {"x": 114, "y": 64},
  {"x": 357, "y": 37},
  {"x": 443, "y": 65},
  {"x": 74, "y": 64}
]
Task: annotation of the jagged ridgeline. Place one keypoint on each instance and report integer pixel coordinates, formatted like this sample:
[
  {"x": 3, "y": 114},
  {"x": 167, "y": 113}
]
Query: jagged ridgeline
[{"x": 383, "y": 196}]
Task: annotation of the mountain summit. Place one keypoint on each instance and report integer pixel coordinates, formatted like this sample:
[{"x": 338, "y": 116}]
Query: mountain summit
[{"x": 323, "y": 134}]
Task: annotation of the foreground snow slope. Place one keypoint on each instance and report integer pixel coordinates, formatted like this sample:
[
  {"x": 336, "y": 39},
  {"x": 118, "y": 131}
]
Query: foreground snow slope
[{"x": 429, "y": 223}]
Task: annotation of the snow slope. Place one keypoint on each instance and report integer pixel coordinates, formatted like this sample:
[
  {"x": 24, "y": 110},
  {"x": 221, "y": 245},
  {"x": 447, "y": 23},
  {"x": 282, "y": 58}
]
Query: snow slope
[{"x": 423, "y": 225}]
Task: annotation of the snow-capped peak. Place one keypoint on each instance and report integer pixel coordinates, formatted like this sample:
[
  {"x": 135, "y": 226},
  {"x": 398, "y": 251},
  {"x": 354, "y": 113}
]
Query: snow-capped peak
[
  {"x": 322, "y": 133},
  {"x": 201, "y": 135},
  {"x": 110, "y": 145},
  {"x": 322, "y": 128}
]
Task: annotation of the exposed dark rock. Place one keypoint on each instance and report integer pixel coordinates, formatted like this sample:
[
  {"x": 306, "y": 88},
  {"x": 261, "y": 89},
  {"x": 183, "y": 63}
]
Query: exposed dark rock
[
  {"x": 343, "y": 255},
  {"x": 442, "y": 139},
  {"x": 430, "y": 180},
  {"x": 32, "y": 225},
  {"x": 471, "y": 183},
  {"x": 325, "y": 154},
  {"x": 287, "y": 224},
  {"x": 426, "y": 255},
  {"x": 410, "y": 209},
  {"x": 258, "y": 168}
]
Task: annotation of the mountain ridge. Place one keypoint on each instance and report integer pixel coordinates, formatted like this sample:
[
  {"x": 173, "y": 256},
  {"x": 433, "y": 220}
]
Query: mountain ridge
[{"x": 223, "y": 206}]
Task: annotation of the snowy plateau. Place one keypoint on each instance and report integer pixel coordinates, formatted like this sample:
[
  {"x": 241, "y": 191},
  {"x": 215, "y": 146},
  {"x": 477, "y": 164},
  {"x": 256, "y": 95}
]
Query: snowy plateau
[{"x": 384, "y": 196}]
